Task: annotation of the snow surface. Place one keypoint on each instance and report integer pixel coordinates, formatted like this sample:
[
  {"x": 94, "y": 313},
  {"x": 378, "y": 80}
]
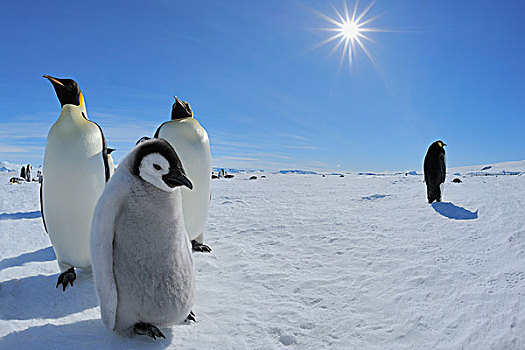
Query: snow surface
[{"x": 305, "y": 262}]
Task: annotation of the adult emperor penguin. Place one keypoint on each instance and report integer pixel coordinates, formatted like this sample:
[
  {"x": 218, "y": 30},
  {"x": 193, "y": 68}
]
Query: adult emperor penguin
[
  {"x": 191, "y": 142},
  {"x": 141, "y": 253},
  {"x": 435, "y": 170},
  {"x": 29, "y": 173},
  {"x": 23, "y": 172},
  {"x": 75, "y": 172}
]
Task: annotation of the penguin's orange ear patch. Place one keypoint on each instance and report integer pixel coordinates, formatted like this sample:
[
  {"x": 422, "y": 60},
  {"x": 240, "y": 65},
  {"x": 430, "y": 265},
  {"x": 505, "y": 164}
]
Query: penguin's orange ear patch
[{"x": 440, "y": 144}]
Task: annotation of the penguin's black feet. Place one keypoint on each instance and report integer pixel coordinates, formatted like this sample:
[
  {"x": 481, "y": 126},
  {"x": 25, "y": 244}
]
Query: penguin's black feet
[
  {"x": 66, "y": 277},
  {"x": 191, "y": 317},
  {"x": 200, "y": 247},
  {"x": 144, "y": 328}
]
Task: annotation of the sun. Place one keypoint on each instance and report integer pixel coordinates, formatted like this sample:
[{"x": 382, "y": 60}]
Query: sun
[{"x": 350, "y": 31}]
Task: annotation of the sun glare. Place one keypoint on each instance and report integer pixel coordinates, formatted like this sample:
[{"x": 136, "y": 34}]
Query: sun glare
[{"x": 350, "y": 31}]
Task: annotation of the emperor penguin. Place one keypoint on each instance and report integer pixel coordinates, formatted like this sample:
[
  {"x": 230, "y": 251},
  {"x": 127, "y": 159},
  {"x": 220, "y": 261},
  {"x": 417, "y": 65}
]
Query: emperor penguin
[
  {"x": 435, "y": 171},
  {"x": 23, "y": 172},
  {"x": 111, "y": 163},
  {"x": 192, "y": 144},
  {"x": 75, "y": 172},
  {"x": 141, "y": 253},
  {"x": 29, "y": 173}
]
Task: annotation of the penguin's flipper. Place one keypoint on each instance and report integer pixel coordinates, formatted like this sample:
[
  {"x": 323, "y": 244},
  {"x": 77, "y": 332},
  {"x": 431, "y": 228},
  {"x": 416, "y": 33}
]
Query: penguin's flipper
[
  {"x": 42, "y": 203},
  {"x": 191, "y": 317},
  {"x": 107, "y": 171},
  {"x": 144, "y": 328},
  {"x": 200, "y": 247},
  {"x": 66, "y": 277}
]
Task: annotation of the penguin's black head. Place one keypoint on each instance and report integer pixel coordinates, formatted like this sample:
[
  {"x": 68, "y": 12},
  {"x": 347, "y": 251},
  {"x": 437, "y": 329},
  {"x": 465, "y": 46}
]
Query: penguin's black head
[
  {"x": 440, "y": 143},
  {"x": 180, "y": 110},
  {"x": 437, "y": 147},
  {"x": 67, "y": 90},
  {"x": 110, "y": 150},
  {"x": 157, "y": 162}
]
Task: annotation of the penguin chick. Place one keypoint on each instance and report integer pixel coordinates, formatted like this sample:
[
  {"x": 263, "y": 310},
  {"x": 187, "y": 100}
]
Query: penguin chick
[
  {"x": 141, "y": 253},
  {"x": 435, "y": 171}
]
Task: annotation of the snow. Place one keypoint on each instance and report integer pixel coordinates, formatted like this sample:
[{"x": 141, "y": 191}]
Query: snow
[
  {"x": 506, "y": 168},
  {"x": 306, "y": 262}
]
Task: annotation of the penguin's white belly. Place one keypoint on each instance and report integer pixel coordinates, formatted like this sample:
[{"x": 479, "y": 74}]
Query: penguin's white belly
[
  {"x": 193, "y": 149},
  {"x": 74, "y": 179}
]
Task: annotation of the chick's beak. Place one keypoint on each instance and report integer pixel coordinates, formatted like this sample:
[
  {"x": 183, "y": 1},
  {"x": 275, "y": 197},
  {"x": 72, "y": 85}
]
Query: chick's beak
[{"x": 173, "y": 180}]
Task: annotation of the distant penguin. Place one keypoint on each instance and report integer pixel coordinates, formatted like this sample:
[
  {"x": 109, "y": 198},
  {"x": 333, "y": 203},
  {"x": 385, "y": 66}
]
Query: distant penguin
[
  {"x": 435, "y": 170},
  {"x": 23, "y": 172},
  {"x": 15, "y": 180},
  {"x": 29, "y": 172},
  {"x": 141, "y": 253},
  {"x": 75, "y": 172},
  {"x": 111, "y": 164},
  {"x": 191, "y": 142}
]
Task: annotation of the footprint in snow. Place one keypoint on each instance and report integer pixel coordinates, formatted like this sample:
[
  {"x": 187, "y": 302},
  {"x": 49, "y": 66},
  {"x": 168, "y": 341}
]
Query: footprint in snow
[
  {"x": 375, "y": 196},
  {"x": 287, "y": 340}
]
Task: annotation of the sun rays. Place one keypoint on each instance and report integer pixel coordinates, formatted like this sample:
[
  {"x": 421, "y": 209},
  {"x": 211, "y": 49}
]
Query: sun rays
[{"x": 350, "y": 31}]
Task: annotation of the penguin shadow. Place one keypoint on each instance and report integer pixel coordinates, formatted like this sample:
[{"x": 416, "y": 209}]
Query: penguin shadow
[
  {"x": 21, "y": 215},
  {"x": 36, "y": 297},
  {"x": 44, "y": 254},
  {"x": 452, "y": 211},
  {"x": 87, "y": 334}
]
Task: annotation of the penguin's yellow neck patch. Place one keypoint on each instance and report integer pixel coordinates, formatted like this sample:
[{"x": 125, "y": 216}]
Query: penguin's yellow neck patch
[{"x": 81, "y": 100}]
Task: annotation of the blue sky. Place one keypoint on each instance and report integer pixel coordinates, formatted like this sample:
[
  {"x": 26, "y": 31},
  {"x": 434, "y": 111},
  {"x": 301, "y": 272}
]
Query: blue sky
[{"x": 452, "y": 71}]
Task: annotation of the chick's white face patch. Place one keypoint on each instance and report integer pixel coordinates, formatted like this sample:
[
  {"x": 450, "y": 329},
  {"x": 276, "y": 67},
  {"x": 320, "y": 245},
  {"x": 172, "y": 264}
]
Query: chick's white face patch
[{"x": 152, "y": 168}]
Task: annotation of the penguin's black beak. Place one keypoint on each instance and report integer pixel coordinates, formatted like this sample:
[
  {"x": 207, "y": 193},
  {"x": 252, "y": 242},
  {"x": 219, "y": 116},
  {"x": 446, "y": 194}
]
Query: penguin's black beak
[
  {"x": 53, "y": 80},
  {"x": 174, "y": 180}
]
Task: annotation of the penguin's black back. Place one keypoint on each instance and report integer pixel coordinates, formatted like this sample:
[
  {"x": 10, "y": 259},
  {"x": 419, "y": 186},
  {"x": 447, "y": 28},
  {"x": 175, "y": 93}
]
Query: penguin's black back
[{"x": 435, "y": 170}]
